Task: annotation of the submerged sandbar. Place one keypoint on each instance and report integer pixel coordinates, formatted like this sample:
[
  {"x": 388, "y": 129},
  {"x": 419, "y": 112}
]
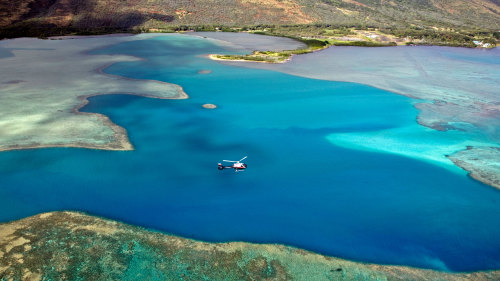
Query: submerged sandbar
[
  {"x": 53, "y": 79},
  {"x": 456, "y": 90}
]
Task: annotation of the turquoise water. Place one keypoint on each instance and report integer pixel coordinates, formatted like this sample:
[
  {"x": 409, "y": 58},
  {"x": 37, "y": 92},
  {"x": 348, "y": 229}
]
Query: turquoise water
[{"x": 299, "y": 188}]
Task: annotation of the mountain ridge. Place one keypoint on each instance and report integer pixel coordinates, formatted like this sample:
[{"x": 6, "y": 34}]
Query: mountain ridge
[{"x": 143, "y": 13}]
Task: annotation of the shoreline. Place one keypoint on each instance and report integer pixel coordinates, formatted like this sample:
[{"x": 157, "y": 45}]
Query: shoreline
[
  {"x": 214, "y": 58},
  {"x": 267, "y": 58},
  {"x": 23, "y": 241},
  {"x": 287, "y": 34}
]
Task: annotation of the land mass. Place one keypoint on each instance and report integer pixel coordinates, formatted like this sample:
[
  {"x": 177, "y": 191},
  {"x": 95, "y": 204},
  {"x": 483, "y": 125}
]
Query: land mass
[
  {"x": 276, "y": 56},
  {"x": 74, "y": 246},
  {"x": 437, "y": 22},
  {"x": 142, "y": 13}
]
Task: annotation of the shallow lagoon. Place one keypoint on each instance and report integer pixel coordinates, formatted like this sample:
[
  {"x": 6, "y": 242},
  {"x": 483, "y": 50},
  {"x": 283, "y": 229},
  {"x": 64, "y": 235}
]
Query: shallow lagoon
[
  {"x": 299, "y": 189},
  {"x": 457, "y": 90}
]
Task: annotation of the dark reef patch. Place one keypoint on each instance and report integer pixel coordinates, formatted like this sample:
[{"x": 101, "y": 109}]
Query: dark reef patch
[{"x": 74, "y": 246}]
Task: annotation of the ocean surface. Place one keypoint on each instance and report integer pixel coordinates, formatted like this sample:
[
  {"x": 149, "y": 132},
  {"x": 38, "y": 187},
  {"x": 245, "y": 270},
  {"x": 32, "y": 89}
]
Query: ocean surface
[
  {"x": 457, "y": 88},
  {"x": 300, "y": 188}
]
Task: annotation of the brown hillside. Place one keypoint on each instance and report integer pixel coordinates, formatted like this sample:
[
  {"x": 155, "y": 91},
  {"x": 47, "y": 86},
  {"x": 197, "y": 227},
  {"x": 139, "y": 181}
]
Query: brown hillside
[
  {"x": 116, "y": 13},
  {"x": 137, "y": 13}
]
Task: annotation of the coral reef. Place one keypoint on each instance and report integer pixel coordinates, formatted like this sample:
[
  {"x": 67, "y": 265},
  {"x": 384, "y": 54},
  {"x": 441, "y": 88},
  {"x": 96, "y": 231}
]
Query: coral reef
[
  {"x": 45, "y": 83},
  {"x": 483, "y": 163},
  {"x": 74, "y": 246}
]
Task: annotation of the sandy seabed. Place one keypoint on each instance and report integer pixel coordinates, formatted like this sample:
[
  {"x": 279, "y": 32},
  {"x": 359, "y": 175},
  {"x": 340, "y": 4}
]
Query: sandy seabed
[
  {"x": 43, "y": 83},
  {"x": 455, "y": 91}
]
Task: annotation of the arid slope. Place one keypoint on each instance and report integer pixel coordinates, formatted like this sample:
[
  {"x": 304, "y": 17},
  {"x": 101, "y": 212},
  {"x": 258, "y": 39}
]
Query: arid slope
[{"x": 137, "y": 13}]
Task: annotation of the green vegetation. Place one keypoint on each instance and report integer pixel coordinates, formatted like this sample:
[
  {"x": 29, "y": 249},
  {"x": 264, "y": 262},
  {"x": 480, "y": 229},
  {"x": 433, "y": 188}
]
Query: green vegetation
[
  {"x": 346, "y": 23},
  {"x": 320, "y": 36},
  {"x": 449, "y": 37},
  {"x": 312, "y": 46},
  {"x": 278, "y": 57},
  {"x": 43, "y": 31},
  {"x": 363, "y": 43},
  {"x": 389, "y": 36}
]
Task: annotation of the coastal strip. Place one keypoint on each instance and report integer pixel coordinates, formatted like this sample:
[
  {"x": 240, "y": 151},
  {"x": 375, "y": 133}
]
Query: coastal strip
[{"x": 72, "y": 246}]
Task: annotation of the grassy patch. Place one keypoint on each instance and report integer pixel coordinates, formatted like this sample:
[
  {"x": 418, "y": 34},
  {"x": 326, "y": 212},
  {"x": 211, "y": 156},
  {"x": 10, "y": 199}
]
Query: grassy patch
[
  {"x": 362, "y": 43},
  {"x": 281, "y": 56},
  {"x": 315, "y": 36}
]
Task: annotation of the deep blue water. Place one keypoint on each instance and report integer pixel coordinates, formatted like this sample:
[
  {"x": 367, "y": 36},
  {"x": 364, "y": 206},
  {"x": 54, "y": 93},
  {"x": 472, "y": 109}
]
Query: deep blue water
[{"x": 299, "y": 189}]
